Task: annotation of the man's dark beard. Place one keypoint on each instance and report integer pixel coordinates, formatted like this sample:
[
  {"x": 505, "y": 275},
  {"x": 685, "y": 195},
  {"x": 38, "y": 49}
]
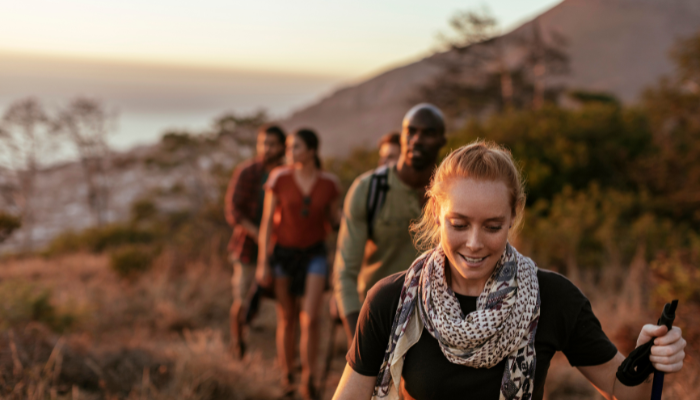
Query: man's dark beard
[
  {"x": 272, "y": 160},
  {"x": 423, "y": 162}
]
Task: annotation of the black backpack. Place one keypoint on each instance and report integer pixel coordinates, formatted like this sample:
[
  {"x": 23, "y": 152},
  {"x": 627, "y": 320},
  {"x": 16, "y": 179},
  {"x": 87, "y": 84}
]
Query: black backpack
[{"x": 378, "y": 186}]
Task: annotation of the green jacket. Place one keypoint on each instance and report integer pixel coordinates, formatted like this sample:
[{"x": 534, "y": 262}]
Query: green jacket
[{"x": 360, "y": 262}]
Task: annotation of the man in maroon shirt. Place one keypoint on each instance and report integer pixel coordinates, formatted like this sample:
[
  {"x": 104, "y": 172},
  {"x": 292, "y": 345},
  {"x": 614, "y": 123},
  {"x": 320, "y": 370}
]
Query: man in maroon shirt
[{"x": 244, "y": 204}]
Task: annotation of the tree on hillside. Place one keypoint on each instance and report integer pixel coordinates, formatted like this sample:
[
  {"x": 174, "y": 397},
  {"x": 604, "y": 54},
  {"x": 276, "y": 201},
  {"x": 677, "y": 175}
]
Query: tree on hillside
[
  {"x": 87, "y": 123},
  {"x": 544, "y": 59},
  {"x": 26, "y": 137},
  {"x": 238, "y": 132},
  {"x": 672, "y": 171},
  {"x": 484, "y": 70},
  {"x": 202, "y": 157},
  {"x": 8, "y": 224},
  {"x": 198, "y": 167},
  {"x": 189, "y": 155}
]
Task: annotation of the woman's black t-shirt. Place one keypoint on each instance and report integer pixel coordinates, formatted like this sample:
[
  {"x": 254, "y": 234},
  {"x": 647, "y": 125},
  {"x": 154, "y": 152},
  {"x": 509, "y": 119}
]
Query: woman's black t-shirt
[{"x": 566, "y": 324}]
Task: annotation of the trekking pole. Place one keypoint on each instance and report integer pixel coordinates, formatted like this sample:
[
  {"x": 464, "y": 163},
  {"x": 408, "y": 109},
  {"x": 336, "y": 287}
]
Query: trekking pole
[
  {"x": 329, "y": 358},
  {"x": 667, "y": 317}
]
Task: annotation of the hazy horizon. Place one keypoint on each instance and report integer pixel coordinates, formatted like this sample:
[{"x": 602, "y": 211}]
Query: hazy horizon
[
  {"x": 150, "y": 98},
  {"x": 178, "y": 65}
]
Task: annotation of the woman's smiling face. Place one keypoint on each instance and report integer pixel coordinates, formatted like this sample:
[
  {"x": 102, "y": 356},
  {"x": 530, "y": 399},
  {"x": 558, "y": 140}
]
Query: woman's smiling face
[{"x": 475, "y": 216}]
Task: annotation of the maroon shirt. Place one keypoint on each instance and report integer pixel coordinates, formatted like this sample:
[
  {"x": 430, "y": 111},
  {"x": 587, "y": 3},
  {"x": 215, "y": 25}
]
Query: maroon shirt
[
  {"x": 243, "y": 201},
  {"x": 301, "y": 221}
]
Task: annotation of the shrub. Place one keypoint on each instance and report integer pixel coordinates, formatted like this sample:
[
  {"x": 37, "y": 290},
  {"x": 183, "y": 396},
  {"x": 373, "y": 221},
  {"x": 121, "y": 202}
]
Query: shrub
[
  {"x": 101, "y": 239},
  {"x": 357, "y": 163},
  {"x": 557, "y": 148},
  {"x": 129, "y": 261},
  {"x": 143, "y": 210},
  {"x": 8, "y": 224},
  {"x": 21, "y": 303}
]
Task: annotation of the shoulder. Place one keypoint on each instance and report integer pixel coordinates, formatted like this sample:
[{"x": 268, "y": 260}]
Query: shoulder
[
  {"x": 384, "y": 295},
  {"x": 277, "y": 174},
  {"x": 248, "y": 167},
  {"x": 357, "y": 193},
  {"x": 556, "y": 283},
  {"x": 331, "y": 179},
  {"x": 557, "y": 289},
  {"x": 362, "y": 182}
]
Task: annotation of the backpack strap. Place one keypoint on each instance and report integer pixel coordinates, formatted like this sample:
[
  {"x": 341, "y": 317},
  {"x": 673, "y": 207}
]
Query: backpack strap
[{"x": 378, "y": 186}]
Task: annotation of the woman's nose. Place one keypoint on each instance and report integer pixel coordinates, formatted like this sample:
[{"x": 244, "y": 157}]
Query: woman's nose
[{"x": 473, "y": 240}]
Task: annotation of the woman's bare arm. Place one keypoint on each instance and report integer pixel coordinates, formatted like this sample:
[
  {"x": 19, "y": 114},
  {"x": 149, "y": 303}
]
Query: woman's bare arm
[
  {"x": 263, "y": 273},
  {"x": 667, "y": 355},
  {"x": 354, "y": 386}
]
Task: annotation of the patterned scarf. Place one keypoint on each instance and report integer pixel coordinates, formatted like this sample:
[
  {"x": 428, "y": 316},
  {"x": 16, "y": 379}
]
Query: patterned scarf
[{"x": 503, "y": 325}]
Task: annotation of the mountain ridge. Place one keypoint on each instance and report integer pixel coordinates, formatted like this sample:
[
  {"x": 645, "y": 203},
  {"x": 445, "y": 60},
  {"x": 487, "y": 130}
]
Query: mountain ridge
[{"x": 617, "y": 46}]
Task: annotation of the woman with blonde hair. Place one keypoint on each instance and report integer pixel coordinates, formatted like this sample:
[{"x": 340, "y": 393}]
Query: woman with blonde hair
[{"x": 472, "y": 317}]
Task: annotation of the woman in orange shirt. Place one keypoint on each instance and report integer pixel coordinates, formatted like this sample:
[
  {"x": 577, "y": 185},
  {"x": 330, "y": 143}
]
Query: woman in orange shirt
[{"x": 301, "y": 205}]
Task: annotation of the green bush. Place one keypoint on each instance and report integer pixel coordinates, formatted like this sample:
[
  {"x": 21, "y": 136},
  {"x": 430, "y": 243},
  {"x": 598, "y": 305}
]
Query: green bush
[
  {"x": 143, "y": 210},
  {"x": 8, "y": 224},
  {"x": 21, "y": 302},
  {"x": 558, "y": 148},
  {"x": 101, "y": 239},
  {"x": 357, "y": 163},
  {"x": 130, "y": 261}
]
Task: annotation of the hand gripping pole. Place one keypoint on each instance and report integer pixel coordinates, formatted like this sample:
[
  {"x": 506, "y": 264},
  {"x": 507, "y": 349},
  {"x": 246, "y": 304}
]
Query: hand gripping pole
[
  {"x": 667, "y": 318},
  {"x": 637, "y": 366}
]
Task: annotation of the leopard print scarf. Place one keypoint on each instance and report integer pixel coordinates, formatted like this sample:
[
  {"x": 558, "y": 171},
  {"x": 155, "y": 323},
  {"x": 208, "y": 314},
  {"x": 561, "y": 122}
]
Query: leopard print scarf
[{"x": 503, "y": 325}]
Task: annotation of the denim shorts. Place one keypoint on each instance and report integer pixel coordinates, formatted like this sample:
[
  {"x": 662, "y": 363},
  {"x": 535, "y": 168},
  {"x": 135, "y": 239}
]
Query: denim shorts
[{"x": 318, "y": 265}]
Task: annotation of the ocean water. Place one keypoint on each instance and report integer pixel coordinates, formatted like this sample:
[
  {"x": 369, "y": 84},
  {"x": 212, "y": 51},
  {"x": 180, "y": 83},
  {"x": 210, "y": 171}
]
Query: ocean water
[{"x": 150, "y": 99}]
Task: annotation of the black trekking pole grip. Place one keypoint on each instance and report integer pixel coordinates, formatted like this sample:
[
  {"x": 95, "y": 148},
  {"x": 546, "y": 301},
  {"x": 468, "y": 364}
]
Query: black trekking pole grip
[{"x": 667, "y": 317}]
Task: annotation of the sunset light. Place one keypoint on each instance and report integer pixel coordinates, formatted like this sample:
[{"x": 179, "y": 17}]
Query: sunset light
[{"x": 340, "y": 38}]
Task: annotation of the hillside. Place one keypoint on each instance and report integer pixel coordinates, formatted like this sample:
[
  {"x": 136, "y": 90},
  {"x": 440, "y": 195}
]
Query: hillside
[{"x": 619, "y": 46}]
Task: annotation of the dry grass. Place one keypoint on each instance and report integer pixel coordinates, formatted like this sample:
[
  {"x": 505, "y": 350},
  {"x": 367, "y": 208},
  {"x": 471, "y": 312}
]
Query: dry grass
[
  {"x": 194, "y": 368},
  {"x": 159, "y": 337},
  {"x": 164, "y": 335}
]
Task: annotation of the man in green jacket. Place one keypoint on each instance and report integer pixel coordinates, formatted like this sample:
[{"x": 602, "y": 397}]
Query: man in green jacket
[{"x": 362, "y": 260}]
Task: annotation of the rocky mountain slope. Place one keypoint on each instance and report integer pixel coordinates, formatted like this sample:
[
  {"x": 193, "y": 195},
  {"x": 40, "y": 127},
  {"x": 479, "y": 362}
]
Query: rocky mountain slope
[{"x": 618, "y": 46}]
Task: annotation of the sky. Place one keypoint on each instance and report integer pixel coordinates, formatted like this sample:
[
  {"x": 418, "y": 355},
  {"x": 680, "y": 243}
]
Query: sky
[{"x": 180, "y": 63}]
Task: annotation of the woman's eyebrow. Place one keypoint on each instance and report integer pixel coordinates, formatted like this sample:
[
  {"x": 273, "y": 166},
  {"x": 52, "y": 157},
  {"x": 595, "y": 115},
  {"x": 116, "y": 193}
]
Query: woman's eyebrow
[{"x": 493, "y": 219}]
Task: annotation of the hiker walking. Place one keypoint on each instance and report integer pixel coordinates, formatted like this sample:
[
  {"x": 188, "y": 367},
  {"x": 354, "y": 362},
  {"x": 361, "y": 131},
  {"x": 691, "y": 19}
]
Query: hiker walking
[
  {"x": 472, "y": 317},
  {"x": 390, "y": 149},
  {"x": 389, "y": 152},
  {"x": 374, "y": 241},
  {"x": 301, "y": 205},
  {"x": 243, "y": 208}
]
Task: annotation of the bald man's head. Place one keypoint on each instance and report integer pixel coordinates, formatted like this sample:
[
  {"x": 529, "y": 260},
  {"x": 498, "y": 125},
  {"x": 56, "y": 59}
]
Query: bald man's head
[
  {"x": 428, "y": 112},
  {"x": 422, "y": 136}
]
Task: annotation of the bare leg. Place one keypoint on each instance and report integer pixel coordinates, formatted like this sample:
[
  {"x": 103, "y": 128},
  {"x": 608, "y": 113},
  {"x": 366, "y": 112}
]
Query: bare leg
[
  {"x": 237, "y": 325},
  {"x": 243, "y": 276},
  {"x": 311, "y": 305},
  {"x": 287, "y": 311}
]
